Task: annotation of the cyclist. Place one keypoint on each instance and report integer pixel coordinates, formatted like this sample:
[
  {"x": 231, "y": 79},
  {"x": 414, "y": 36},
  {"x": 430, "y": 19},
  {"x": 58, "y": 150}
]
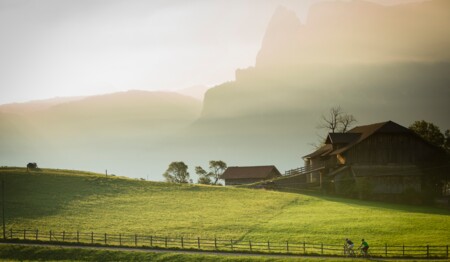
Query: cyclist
[
  {"x": 364, "y": 247},
  {"x": 349, "y": 246}
]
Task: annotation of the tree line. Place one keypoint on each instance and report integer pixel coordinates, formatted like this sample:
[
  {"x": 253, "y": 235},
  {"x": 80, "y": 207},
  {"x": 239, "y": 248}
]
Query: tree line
[{"x": 177, "y": 172}]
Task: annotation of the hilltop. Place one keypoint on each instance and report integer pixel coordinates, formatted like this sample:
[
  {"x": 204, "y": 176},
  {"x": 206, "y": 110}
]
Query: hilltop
[{"x": 65, "y": 200}]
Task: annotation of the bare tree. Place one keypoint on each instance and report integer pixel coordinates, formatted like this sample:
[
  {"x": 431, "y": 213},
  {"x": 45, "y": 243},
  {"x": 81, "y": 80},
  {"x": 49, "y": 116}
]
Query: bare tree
[
  {"x": 346, "y": 121},
  {"x": 336, "y": 121}
]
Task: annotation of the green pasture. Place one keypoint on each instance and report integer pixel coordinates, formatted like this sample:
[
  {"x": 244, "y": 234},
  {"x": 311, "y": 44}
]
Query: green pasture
[{"x": 61, "y": 200}]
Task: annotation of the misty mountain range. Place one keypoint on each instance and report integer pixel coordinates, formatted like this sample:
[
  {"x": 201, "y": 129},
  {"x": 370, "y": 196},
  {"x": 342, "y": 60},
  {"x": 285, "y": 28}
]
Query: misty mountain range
[{"x": 378, "y": 63}]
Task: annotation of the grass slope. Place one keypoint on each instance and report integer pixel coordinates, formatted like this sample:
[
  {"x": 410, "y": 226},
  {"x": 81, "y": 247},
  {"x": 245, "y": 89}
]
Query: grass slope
[{"x": 70, "y": 200}]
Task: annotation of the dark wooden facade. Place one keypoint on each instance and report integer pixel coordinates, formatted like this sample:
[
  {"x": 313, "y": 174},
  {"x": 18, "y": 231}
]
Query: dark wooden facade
[{"x": 383, "y": 158}]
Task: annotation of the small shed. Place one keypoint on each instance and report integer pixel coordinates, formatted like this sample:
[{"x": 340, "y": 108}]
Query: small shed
[{"x": 239, "y": 175}]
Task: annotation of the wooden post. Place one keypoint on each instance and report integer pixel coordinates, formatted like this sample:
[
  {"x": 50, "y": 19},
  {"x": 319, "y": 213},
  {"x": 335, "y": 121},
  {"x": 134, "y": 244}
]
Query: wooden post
[
  {"x": 447, "y": 251},
  {"x": 151, "y": 241},
  {"x": 10, "y": 233},
  {"x": 182, "y": 243},
  {"x": 304, "y": 247},
  {"x": 105, "y": 239},
  {"x": 165, "y": 242},
  {"x": 120, "y": 239},
  {"x": 50, "y": 236},
  {"x": 92, "y": 237},
  {"x": 287, "y": 246},
  {"x": 3, "y": 209},
  {"x": 215, "y": 243},
  {"x": 24, "y": 234},
  {"x": 37, "y": 234},
  {"x": 250, "y": 243},
  {"x": 198, "y": 242},
  {"x": 78, "y": 236},
  {"x": 135, "y": 239},
  {"x": 428, "y": 251},
  {"x": 232, "y": 248},
  {"x": 403, "y": 249},
  {"x": 63, "y": 236},
  {"x": 385, "y": 249},
  {"x": 268, "y": 245},
  {"x": 321, "y": 248}
]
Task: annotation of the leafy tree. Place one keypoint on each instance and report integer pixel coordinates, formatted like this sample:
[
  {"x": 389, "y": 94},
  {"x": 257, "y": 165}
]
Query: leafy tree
[
  {"x": 177, "y": 173},
  {"x": 212, "y": 177},
  {"x": 447, "y": 140},
  {"x": 203, "y": 176},
  {"x": 429, "y": 132}
]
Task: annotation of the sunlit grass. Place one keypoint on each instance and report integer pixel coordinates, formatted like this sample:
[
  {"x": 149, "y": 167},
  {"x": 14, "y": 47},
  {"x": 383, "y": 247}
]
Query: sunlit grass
[{"x": 61, "y": 200}]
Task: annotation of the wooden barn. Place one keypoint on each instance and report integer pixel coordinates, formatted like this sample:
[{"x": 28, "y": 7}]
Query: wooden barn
[
  {"x": 379, "y": 159},
  {"x": 239, "y": 175}
]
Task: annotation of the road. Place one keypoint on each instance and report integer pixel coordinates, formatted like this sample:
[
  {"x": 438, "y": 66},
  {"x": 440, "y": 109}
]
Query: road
[{"x": 195, "y": 252}]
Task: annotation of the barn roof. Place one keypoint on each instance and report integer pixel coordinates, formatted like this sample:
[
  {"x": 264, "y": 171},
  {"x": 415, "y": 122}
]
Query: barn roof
[
  {"x": 240, "y": 172},
  {"x": 341, "y": 138},
  {"x": 368, "y": 130},
  {"x": 356, "y": 136}
]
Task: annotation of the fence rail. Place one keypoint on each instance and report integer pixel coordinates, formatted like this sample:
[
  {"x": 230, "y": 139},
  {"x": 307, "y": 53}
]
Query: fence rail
[
  {"x": 137, "y": 240},
  {"x": 302, "y": 170}
]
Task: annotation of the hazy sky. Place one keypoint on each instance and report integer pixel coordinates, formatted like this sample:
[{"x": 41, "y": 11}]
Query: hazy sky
[{"x": 52, "y": 48}]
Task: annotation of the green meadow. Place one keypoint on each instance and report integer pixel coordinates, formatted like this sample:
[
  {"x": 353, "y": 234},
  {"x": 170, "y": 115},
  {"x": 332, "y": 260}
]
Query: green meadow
[{"x": 62, "y": 200}]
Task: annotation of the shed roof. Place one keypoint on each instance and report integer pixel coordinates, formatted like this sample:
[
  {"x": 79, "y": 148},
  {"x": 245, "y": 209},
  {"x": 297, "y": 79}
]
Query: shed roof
[{"x": 242, "y": 172}]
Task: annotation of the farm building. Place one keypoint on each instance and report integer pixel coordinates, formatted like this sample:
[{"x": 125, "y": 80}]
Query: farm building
[
  {"x": 382, "y": 159},
  {"x": 239, "y": 175}
]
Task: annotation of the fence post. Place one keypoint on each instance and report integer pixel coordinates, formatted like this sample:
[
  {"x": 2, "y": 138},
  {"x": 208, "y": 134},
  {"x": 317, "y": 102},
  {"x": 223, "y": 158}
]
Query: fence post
[
  {"x": 250, "y": 243},
  {"x": 215, "y": 243},
  {"x": 182, "y": 243},
  {"x": 447, "y": 251},
  {"x": 403, "y": 249},
  {"x": 165, "y": 242},
  {"x": 321, "y": 248},
  {"x": 428, "y": 251},
  {"x": 198, "y": 242},
  {"x": 63, "y": 236},
  {"x": 120, "y": 239},
  {"x": 304, "y": 247},
  {"x": 92, "y": 237},
  {"x": 105, "y": 239},
  {"x": 232, "y": 248},
  {"x": 78, "y": 236},
  {"x": 24, "y": 234},
  {"x": 11, "y": 233},
  {"x": 287, "y": 246},
  {"x": 151, "y": 241},
  {"x": 268, "y": 245},
  {"x": 135, "y": 240},
  {"x": 385, "y": 249},
  {"x": 37, "y": 234},
  {"x": 50, "y": 236}
]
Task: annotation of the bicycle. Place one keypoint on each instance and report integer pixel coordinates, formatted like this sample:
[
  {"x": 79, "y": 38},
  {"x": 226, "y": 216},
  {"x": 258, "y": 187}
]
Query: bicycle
[
  {"x": 365, "y": 254},
  {"x": 349, "y": 251}
]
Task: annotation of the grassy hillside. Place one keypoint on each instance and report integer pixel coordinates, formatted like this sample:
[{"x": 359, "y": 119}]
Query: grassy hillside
[{"x": 70, "y": 200}]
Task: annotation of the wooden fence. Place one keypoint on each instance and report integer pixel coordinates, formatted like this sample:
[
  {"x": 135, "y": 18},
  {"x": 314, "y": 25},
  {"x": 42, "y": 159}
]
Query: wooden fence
[
  {"x": 302, "y": 170},
  {"x": 230, "y": 245}
]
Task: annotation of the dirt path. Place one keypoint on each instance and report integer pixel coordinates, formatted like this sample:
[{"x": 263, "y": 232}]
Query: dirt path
[{"x": 129, "y": 249}]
